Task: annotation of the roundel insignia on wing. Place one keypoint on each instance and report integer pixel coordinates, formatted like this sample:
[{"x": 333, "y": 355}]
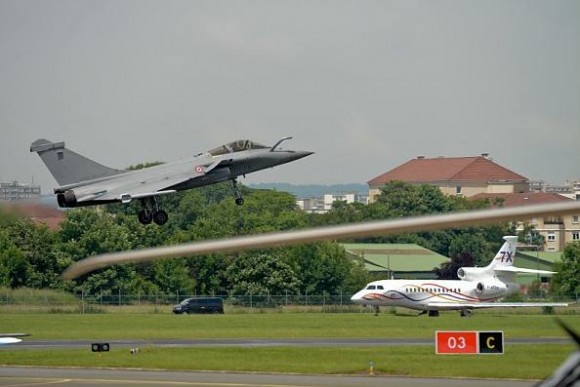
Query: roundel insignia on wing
[{"x": 199, "y": 169}]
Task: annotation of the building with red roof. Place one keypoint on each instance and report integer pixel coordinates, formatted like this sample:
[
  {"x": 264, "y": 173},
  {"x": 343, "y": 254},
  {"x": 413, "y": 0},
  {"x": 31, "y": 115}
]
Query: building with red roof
[
  {"x": 556, "y": 231},
  {"x": 480, "y": 177},
  {"x": 466, "y": 176}
]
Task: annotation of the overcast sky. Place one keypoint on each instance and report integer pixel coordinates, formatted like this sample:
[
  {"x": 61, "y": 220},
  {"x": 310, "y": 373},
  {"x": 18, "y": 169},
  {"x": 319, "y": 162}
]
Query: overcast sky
[{"x": 367, "y": 85}]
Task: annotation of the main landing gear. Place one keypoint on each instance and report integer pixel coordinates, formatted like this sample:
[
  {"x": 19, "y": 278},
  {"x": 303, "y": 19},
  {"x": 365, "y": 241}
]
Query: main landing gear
[
  {"x": 239, "y": 197},
  {"x": 430, "y": 313},
  {"x": 151, "y": 211}
]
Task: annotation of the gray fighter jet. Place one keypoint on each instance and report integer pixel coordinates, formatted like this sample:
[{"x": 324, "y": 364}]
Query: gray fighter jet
[{"x": 84, "y": 182}]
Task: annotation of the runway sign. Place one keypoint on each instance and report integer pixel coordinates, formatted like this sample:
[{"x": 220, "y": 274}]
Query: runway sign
[
  {"x": 100, "y": 347},
  {"x": 468, "y": 342}
]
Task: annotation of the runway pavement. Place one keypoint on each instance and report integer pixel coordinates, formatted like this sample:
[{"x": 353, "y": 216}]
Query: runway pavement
[
  {"x": 301, "y": 342},
  {"x": 41, "y": 376},
  {"x": 74, "y": 377}
]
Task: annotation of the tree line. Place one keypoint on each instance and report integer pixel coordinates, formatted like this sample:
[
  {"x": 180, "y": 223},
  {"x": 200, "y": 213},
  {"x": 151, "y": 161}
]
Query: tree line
[{"x": 32, "y": 255}]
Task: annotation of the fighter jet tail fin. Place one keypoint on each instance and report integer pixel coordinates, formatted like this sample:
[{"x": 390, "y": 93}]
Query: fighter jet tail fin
[{"x": 66, "y": 166}]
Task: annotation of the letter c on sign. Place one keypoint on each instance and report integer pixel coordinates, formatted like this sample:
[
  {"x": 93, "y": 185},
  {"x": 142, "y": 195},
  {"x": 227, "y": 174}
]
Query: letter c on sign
[{"x": 489, "y": 342}]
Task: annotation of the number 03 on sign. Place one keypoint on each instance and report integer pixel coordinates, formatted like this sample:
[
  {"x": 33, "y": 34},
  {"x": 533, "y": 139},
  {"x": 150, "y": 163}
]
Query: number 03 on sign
[{"x": 468, "y": 342}]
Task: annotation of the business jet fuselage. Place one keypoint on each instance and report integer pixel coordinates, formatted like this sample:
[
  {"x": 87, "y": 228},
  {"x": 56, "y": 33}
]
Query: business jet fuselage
[{"x": 478, "y": 287}]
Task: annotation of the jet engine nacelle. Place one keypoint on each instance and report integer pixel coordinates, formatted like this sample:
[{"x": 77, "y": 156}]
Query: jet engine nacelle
[
  {"x": 490, "y": 289},
  {"x": 480, "y": 288},
  {"x": 66, "y": 199},
  {"x": 471, "y": 273}
]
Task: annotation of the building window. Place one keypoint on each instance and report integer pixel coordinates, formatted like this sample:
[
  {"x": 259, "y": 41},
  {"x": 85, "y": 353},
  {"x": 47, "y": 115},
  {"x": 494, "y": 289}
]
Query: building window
[
  {"x": 576, "y": 235},
  {"x": 551, "y": 236},
  {"x": 458, "y": 190},
  {"x": 575, "y": 219}
]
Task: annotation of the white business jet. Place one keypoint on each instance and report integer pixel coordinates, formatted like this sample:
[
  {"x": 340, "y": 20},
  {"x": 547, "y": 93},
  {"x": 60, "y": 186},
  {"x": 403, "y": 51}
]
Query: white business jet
[
  {"x": 477, "y": 287},
  {"x": 11, "y": 338}
]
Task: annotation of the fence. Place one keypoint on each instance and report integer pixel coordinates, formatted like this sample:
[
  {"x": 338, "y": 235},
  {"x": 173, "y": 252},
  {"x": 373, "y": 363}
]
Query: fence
[
  {"x": 157, "y": 303},
  {"x": 162, "y": 303},
  {"x": 248, "y": 301}
]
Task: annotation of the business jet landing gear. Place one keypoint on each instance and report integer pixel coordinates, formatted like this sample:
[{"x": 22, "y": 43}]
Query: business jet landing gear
[
  {"x": 465, "y": 313},
  {"x": 239, "y": 197},
  {"x": 430, "y": 313},
  {"x": 151, "y": 211}
]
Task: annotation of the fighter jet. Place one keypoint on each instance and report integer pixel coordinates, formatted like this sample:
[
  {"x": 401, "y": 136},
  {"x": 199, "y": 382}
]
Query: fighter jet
[{"x": 84, "y": 182}]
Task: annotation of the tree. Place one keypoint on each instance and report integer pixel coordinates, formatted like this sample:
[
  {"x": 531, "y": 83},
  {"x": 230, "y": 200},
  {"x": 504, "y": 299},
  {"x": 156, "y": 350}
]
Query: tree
[
  {"x": 262, "y": 274},
  {"x": 14, "y": 267},
  {"x": 37, "y": 242},
  {"x": 466, "y": 250},
  {"x": 471, "y": 245},
  {"x": 324, "y": 268},
  {"x": 567, "y": 280},
  {"x": 209, "y": 273},
  {"x": 172, "y": 276},
  {"x": 112, "y": 280},
  {"x": 399, "y": 199}
]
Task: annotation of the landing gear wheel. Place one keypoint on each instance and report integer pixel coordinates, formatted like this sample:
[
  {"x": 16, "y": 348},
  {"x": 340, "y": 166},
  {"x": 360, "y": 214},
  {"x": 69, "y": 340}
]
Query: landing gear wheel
[
  {"x": 145, "y": 216},
  {"x": 433, "y": 313},
  {"x": 239, "y": 198},
  {"x": 160, "y": 217}
]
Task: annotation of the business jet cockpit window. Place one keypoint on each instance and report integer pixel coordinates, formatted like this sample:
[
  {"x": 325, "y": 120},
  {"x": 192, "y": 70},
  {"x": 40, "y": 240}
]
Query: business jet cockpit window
[{"x": 371, "y": 287}]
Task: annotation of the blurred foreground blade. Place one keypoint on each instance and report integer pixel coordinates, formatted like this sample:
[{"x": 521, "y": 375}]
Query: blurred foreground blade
[
  {"x": 353, "y": 230},
  {"x": 568, "y": 374}
]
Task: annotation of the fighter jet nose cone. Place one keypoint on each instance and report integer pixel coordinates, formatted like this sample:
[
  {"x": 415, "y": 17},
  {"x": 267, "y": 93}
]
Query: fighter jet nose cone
[{"x": 301, "y": 154}]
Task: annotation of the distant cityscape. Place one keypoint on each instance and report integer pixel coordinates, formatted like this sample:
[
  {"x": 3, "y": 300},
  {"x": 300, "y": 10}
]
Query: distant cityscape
[
  {"x": 313, "y": 198},
  {"x": 13, "y": 192}
]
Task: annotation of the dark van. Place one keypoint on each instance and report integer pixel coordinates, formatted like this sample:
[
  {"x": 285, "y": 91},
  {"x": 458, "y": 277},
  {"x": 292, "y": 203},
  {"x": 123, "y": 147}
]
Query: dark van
[{"x": 200, "y": 305}]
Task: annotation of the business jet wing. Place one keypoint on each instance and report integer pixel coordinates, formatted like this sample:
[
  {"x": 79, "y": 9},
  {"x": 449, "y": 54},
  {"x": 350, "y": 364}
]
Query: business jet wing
[
  {"x": 513, "y": 269},
  {"x": 482, "y": 305}
]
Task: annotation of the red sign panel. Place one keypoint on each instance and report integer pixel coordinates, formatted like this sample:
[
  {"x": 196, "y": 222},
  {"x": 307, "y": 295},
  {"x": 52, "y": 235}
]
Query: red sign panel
[{"x": 456, "y": 342}]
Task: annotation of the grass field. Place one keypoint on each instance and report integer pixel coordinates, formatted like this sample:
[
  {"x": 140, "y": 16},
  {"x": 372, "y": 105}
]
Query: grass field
[{"x": 538, "y": 360}]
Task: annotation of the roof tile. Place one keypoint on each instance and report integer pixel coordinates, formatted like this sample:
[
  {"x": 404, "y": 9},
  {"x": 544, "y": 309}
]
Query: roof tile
[{"x": 448, "y": 169}]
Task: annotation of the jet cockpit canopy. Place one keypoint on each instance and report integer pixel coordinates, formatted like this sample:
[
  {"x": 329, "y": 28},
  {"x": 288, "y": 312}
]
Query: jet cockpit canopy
[{"x": 236, "y": 146}]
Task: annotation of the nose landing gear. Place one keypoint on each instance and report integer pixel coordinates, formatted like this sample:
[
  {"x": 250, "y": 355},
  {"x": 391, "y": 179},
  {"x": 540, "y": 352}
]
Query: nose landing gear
[{"x": 239, "y": 197}]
